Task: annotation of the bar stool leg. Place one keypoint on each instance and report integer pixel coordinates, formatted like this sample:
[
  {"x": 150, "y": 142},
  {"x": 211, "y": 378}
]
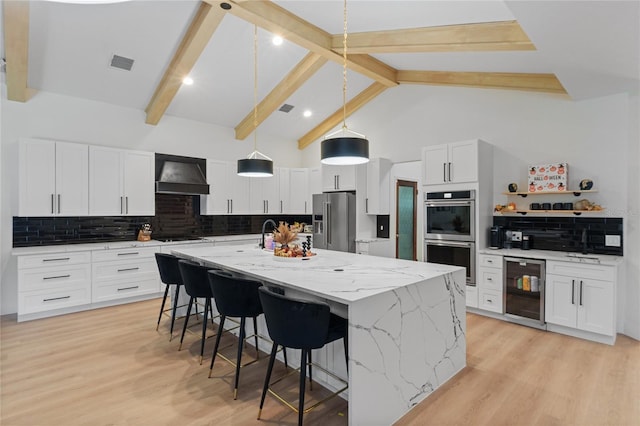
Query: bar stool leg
[
  {"x": 186, "y": 321},
  {"x": 207, "y": 308},
  {"x": 173, "y": 313},
  {"x": 164, "y": 299},
  {"x": 284, "y": 354},
  {"x": 272, "y": 359},
  {"x": 241, "y": 338},
  {"x": 255, "y": 335},
  {"x": 218, "y": 337},
  {"x": 346, "y": 349},
  {"x": 303, "y": 357},
  {"x": 310, "y": 376}
]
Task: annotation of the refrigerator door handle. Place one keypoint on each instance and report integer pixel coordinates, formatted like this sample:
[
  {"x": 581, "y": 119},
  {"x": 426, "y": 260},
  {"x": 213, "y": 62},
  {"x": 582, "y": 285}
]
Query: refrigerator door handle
[{"x": 327, "y": 229}]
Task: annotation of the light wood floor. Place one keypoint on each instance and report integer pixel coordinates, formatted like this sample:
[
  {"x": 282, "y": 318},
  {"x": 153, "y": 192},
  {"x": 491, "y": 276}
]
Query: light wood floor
[{"x": 110, "y": 367}]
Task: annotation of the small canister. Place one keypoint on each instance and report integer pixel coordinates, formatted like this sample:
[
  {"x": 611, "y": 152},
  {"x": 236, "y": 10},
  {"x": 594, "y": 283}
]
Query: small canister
[
  {"x": 526, "y": 283},
  {"x": 535, "y": 283},
  {"x": 519, "y": 283}
]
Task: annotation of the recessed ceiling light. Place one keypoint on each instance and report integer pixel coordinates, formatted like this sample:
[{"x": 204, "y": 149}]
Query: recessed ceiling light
[
  {"x": 307, "y": 113},
  {"x": 187, "y": 80},
  {"x": 277, "y": 40}
]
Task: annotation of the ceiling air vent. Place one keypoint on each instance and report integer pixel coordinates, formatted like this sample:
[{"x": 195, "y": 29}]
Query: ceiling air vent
[
  {"x": 122, "y": 63},
  {"x": 286, "y": 108}
]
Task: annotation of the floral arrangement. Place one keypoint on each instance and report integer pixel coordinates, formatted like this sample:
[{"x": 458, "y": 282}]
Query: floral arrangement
[{"x": 284, "y": 236}]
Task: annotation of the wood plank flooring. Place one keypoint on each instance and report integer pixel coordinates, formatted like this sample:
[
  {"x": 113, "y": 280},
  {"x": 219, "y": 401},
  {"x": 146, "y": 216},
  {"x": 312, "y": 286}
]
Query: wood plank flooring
[{"x": 110, "y": 367}]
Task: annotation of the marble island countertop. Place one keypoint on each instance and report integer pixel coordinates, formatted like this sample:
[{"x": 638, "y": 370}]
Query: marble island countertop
[{"x": 338, "y": 276}]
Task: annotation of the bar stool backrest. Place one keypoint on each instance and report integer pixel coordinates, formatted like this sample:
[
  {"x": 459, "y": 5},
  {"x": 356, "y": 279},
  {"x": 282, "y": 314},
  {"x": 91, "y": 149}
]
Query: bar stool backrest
[
  {"x": 235, "y": 296},
  {"x": 194, "y": 278},
  {"x": 168, "y": 268},
  {"x": 295, "y": 323}
]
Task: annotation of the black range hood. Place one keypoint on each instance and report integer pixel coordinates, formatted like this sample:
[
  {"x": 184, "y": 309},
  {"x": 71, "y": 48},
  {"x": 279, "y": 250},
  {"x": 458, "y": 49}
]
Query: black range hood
[{"x": 181, "y": 175}]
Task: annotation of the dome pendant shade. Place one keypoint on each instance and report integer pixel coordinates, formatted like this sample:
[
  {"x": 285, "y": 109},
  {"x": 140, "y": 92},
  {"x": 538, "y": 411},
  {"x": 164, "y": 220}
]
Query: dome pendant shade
[
  {"x": 255, "y": 167},
  {"x": 344, "y": 150}
]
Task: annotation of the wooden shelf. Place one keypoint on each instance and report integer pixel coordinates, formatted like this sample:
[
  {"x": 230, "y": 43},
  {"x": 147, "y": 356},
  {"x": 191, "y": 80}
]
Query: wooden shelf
[
  {"x": 575, "y": 192},
  {"x": 524, "y": 212}
]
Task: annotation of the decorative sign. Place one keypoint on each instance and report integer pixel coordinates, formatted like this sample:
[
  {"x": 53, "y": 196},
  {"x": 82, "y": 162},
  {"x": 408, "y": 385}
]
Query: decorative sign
[{"x": 548, "y": 177}]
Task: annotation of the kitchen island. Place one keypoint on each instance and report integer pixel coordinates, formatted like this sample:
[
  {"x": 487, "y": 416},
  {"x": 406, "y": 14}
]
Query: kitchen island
[{"x": 406, "y": 319}]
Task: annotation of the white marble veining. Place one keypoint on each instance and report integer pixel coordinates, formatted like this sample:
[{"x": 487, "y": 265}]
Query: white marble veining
[{"x": 407, "y": 328}]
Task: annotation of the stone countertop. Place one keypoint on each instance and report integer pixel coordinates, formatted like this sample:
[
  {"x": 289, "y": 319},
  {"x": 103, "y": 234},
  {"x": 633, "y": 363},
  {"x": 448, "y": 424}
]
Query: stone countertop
[
  {"x": 115, "y": 245},
  {"x": 593, "y": 259},
  {"x": 338, "y": 276}
]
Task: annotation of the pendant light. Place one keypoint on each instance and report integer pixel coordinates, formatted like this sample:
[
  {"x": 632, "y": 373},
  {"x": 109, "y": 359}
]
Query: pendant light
[
  {"x": 344, "y": 146},
  {"x": 256, "y": 164}
]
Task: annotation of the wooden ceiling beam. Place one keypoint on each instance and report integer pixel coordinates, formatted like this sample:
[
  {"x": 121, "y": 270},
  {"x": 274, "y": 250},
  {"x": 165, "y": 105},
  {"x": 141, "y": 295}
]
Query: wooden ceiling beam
[
  {"x": 16, "y": 43},
  {"x": 278, "y": 20},
  {"x": 491, "y": 80},
  {"x": 486, "y": 36},
  {"x": 335, "y": 119},
  {"x": 202, "y": 27},
  {"x": 309, "y": 65}
]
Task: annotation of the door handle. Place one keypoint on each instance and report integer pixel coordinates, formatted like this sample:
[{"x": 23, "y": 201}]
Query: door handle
[
  {"x": 52, "y": 204},
  {"x": 57, "y": 259},
  {"x": 128, "y": 288},
  {"x": 366, "y": 205},
  {"x": 281, "y": 211},
  {"x": 128, "y": 254},
  {"x": 449, "y": 172},
  {"x": 56, "y": 298},
  {"x": 128, "y": 269},
  {"x": 126, "y": 199},
  {"x": 231, "y": 200},
  {"x": 580, "y": 292},
  {"x": 121, "y": 204},
  {"x": 56, "y": 277},
  {"x": 444, "y": 172},
  {"x": 58, "y": 203},
  {"x": 573, "y": 292}
]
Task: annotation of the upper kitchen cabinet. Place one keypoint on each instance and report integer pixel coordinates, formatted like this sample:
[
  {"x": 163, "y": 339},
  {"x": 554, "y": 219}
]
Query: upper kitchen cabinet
[
  {"x": 455, "y": 162},
  {"x": 299, "y": 192},
  {"x": 378, "y": 181},
  {"x": 228, "y": 193},
  {"x": 338, "y": 178},
  {"x": 315, "y": 183},
  {"x": 121, "y": 182},
  {"x": 264, "y": 194},
  {"x": 53, "y": 178}
]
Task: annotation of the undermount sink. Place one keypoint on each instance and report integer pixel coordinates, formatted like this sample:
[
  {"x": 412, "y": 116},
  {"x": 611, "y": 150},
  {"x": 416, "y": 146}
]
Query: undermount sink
[{"x": 583, "y": 258}]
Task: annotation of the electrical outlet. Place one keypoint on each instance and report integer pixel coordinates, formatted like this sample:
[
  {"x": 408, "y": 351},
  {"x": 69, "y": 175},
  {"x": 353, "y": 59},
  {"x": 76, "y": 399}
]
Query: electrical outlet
[
  {"x": 612, "y": 240},
  {"x": 516, "y": 235}
]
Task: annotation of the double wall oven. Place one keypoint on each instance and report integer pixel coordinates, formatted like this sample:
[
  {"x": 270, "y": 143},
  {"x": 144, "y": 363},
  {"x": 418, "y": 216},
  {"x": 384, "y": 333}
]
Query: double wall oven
[{"x": 449, "y": 230}]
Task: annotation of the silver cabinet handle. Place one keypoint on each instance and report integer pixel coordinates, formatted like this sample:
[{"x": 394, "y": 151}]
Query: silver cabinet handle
[
  {"x": 128, "y": 269},
  {"x": 449, "y": 172},
  {"x": 366, "y": 205},
  {"x": 128, "y": 288},
  {"x": 338, "y": 179},
  {"x": 52, "y": 204},
  {"x": 305, "y": 206},
  {"x": 573, "y": 292},
  {"x": 489, "y": 261},
  {"x": 444, "y": 172},
  {"x": 128, "y": 254},
  {"x": 57, "y": 259},
  {"x": 489, "y": 279},
  {"x": 121, "y": 204},
  {"x": 580, "y": 292},
  {"x": 56, "y": 298},
  {"x": 58, "y": 203},
  {"x": 231, "y": 205},
  {"x": 127, "y": 204},
  {"x": 281, "y": 209},
  {"x": 227, "y": 205},
  {"x": 56, "y": 277},
  {"x": 489, "y": 300}
]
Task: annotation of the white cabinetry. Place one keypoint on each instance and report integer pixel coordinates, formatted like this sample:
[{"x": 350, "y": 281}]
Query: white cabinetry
[
  {"x": 378, "y": 181},
  {"x": 338, "y": 178},
  {"x": 299, "y": 192},
  {"x": 53, "y": 178},
  {"x": 264, "y": 194},
  {"x": 53, "y": 281},
  {"x": 229, "y": 193},
  {"x": 315, "y": 183},
  {"x": 121, "y": 182},
  {"x": 450, "y": 163},
  {"x": 118, "y": 274},
  {"x": 489, "y": 282},
  {"x": 581, "y": 297}
]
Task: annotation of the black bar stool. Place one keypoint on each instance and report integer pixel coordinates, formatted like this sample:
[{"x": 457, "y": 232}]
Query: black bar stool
[
  {"x": 196, "y": 284},
  {"x": 235, "y": 297},
  {"x": 169, "y": 275},
  {"x": 303, "y": 325}
]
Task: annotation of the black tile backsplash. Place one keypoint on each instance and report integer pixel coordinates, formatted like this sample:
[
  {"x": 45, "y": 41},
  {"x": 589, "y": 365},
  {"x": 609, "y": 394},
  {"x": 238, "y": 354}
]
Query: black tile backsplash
[
  {"x": 177, "y": 216},
  {"x": 565, "y": 233}
]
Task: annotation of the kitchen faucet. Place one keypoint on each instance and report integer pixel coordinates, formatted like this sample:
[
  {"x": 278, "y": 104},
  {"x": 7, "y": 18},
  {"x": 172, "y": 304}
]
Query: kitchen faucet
[{"x": 263, "y": 226}]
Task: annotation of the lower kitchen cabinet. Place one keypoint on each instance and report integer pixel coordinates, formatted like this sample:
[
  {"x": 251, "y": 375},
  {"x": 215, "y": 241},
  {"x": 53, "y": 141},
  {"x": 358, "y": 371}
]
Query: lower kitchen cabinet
[
  {"x": 489, "y": 283},
  {"x": 118, "y": 274},
  {"x": 581, "y": 297}
]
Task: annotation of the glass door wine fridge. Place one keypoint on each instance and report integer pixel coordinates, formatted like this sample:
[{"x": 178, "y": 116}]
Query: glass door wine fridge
[{"x": 524, "y": 288}]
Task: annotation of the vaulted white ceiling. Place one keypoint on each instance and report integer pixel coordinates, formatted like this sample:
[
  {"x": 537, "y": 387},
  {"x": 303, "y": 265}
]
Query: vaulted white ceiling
[{"x": 592, "y": 47}]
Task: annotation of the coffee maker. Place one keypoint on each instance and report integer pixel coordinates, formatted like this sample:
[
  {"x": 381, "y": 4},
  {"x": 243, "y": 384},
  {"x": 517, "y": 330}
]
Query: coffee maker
[{"x": 496, "y": 237}]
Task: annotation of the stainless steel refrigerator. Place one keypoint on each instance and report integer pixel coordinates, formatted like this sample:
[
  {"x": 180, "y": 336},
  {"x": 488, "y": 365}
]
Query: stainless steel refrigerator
[{"x": 334, "y": 221}]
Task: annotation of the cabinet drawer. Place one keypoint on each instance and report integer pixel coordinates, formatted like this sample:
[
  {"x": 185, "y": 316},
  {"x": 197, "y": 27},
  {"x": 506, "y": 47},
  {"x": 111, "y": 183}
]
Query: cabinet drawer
[
  {"x": 490, "y": 279},
  {"x": 570, "y": 269},
  {"x": 54, "y": 277},
  {"x": 491, "y": 261},
  {"x": 39, "y": 301},
  {"x": 53, "y": 259},
  {"x": 125, "y": 289},
  {"x": 124, "y": 271},
  {"x": 490, "y": 301},
  {"x": 124, "y": 254}
]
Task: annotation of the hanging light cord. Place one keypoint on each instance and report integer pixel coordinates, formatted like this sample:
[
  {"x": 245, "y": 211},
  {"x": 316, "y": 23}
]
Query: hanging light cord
[
  {"x": 255, "y": 87},
  {"x": 344, "y": 70}
]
